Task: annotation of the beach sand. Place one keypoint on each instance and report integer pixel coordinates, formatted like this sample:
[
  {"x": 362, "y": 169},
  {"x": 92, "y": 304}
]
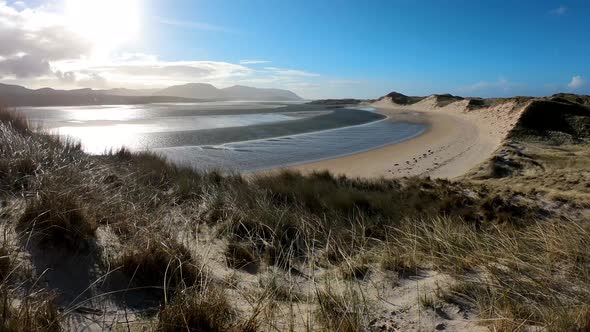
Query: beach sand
[{"x": 456, "y": 141}]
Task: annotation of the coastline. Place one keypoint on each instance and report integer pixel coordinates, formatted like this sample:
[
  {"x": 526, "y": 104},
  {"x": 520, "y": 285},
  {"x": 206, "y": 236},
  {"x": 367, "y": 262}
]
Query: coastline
[{"x": 453, "y": 143}]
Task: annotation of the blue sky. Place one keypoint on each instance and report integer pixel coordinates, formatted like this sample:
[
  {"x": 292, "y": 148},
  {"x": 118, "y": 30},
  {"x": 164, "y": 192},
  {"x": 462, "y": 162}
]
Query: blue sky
[{"x": 343, "y": 48}]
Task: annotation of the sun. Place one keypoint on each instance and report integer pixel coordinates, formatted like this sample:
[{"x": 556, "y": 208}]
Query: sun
[{"x": 106, "y": 23}]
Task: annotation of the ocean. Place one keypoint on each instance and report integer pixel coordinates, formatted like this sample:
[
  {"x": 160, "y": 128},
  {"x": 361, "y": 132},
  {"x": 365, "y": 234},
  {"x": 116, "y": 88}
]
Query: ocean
[{"x": 226, "y": 136}]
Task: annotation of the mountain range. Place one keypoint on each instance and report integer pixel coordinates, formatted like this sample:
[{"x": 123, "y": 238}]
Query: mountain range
[{"x": 15, "y": 95}]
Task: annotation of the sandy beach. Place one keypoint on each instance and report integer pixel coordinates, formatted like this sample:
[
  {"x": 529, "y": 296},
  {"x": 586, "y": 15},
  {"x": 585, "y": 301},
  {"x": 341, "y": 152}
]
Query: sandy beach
[{"x": 456, "y": 141}]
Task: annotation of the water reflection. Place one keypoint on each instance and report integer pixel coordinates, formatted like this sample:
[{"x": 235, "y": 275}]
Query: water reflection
[{"x": 227, "y": 136}]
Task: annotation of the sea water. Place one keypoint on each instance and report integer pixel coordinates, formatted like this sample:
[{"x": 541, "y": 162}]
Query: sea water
[{"x": 227, "y": 136}]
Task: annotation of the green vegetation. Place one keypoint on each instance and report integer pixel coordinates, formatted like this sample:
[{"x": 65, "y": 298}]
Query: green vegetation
[
  {"x": 293, "y": 252},
  {"x": 402, "y": 99},
  {"x": 446, "y": 99}
]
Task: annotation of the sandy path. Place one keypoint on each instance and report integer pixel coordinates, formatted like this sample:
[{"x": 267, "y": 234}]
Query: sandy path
[{"x": 455, "y": 142}]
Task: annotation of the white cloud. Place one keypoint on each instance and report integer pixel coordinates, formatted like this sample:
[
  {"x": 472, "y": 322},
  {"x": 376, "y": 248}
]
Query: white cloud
[
  {"x": 253, "y": 62},
  {"x": 194, "y": 25},
  {"x": 559, "y": 11},
  {"x": 290, "y": 72},
  {"x": 147, "y": 70},
  {"x": 37, "y": 50},
  {"x": 32, "y": 38},
  {"x": 576, "y": 82}
]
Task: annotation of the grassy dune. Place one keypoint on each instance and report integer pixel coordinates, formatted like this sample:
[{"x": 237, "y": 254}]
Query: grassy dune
[{"x": 129, "y": 242}]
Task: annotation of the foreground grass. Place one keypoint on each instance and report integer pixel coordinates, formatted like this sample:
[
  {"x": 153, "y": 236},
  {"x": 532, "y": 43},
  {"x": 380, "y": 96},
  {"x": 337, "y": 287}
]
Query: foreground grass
[{"x": 519, "y": 258}]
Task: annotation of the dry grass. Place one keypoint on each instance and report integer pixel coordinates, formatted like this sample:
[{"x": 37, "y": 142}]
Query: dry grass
[
  {"x": 31, "y": 312},
  {"x": 404, "y": 263},
  {"x": 15, "y": 121},
  {"x": 536, "y": 276},
  {"x": 20, "y": 310},
  {"x": 162, "y": 264},
  {"x": 355, "y": 268},
  {"x": 280, "y": 288},
  {"x": 55, "y": 219},
  {"x": 342, "y": 308},
  {"x": 207, "y": 310},
  {"x": 5, "y": 262},
  {"x": 519, "y": 256},
  {"x": 241, "y": 256},
  {"x": 558, "y": 170}
]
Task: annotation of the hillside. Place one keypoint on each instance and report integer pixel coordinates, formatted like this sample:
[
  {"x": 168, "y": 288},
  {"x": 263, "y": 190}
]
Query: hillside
[
  {"x": 237, "y": 92},
  {"x": 127, "y": 241},
  {"x": 401, "y": 99},
  {"x": 240, "y": 92},
  {"x": 193, "y": 90},
  {"x": 14, "y": 95}
]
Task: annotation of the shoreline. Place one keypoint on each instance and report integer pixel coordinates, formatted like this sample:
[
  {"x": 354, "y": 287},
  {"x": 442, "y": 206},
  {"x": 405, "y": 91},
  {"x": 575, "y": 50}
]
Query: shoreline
[{"x": 453, "y": 143}]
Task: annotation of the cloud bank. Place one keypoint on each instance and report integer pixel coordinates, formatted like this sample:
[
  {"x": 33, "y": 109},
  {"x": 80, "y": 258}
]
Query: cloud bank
[{"x": 39, "y": 50}]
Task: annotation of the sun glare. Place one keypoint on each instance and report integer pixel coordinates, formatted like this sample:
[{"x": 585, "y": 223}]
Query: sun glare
[{"x": 106, "y": 23}]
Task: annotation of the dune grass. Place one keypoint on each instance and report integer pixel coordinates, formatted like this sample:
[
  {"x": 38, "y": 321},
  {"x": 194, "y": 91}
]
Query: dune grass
[
  {"x": 519, "y": 257},
  {"x": 55, "y": 219},
  {"x": 162, "y": 264},
  {"x": 342, "y": 309}
]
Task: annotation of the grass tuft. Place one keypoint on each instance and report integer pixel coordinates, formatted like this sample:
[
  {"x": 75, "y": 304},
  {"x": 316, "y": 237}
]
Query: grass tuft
[
  {"x": 207, "y": 310},
  {"x": 343, "y": 309},
  {"x": 58, "y": 220},
  {"x": 33, "y": 313},
  {"x": 15, "y": 120},
  {"x": 241, "y": 256},
  {"x": 162, "y": 264}
]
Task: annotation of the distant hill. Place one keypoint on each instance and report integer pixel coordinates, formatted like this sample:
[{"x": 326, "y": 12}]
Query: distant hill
[
  {"x": 240, "y": 92},
  {"x": 15, "y": 95},
  {"x": 237, "y": 92},
  {"x": 129, "y": 92},
  {"x": 193, "y": 90}
]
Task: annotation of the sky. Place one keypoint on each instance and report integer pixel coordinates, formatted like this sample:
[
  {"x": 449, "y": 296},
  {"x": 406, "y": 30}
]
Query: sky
[{"x": 316, "y": 48}]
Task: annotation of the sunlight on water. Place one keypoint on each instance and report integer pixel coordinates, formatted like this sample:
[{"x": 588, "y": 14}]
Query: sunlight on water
[
  {"x": 226, "y": 136},
  {"x": 100, "y": 138},
  {"x": 288, "y": 150}
]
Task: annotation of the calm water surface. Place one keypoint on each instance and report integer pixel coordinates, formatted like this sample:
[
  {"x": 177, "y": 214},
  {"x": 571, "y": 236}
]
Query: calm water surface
[{"x": 229, "y": 136}]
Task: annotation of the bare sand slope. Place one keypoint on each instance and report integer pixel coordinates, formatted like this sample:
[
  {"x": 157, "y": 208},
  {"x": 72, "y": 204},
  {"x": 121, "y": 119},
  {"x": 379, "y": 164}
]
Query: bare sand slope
[{"x": 456, "y": 141}]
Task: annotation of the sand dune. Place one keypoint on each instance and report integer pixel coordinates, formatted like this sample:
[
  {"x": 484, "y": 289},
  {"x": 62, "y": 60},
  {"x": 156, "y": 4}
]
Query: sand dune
[{"x": 457, "y": 140}]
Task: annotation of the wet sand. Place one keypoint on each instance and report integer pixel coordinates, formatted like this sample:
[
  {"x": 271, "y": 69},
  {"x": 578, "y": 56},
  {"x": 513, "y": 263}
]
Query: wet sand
[{"x": 455, "y": 142}]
